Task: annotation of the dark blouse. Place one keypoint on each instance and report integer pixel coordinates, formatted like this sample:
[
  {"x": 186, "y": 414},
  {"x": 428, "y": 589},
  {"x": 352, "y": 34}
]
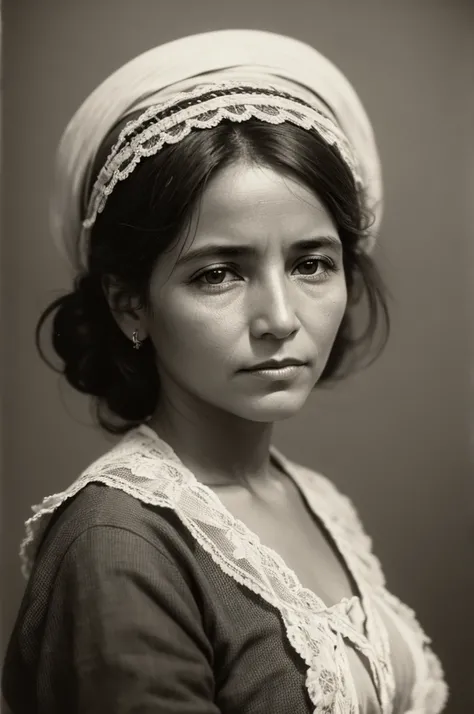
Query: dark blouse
[
  {"x": 122, "y": 614},
  {"x": 146, "y": 595}
]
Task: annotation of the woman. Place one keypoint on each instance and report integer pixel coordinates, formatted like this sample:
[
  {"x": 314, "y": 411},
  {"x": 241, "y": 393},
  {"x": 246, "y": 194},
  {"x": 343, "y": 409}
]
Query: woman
[{"x": 218, "y": 198}]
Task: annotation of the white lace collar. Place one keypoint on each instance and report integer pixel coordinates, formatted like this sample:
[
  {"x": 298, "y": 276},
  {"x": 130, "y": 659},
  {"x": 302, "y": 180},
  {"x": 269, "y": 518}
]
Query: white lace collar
[{"x": 145, "y": 467}]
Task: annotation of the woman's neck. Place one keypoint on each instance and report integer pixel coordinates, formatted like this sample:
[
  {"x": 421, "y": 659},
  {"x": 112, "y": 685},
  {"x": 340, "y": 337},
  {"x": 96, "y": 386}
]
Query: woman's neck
[{"x": 219, "y": 448}]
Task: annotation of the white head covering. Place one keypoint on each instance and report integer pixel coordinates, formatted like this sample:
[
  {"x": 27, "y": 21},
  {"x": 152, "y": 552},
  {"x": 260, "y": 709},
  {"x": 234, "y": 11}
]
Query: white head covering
[{"x": 163, "y": 71}]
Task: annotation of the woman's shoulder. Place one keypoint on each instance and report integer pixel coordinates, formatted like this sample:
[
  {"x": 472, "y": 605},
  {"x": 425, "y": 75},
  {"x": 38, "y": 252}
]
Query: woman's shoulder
[
  {"x": 125, "y": 489},
  {"x": 110, "y": 513}
]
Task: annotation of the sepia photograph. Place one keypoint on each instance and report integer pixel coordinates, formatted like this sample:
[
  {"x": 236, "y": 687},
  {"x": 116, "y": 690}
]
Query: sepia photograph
[{"x": 237, "y": 399}]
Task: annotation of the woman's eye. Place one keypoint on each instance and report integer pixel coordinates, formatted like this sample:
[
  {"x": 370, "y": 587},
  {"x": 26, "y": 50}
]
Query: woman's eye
[
  {"x": 214, "y": 276},
  {"x": 311, "y": 265},
  {"x": 315, "y": 267}
]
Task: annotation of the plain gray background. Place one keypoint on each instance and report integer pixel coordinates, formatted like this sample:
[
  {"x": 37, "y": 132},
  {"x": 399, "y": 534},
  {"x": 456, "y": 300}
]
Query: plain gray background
[{"x": 396, "y": 437}]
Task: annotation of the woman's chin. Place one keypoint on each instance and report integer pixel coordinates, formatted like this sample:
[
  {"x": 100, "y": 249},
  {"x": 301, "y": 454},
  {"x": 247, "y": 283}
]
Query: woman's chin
[{"x": 274, "y": 407}]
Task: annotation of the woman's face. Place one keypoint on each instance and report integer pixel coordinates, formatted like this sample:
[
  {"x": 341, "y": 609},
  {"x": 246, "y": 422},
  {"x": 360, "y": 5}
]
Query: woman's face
[{"x": 259, "y": 276}]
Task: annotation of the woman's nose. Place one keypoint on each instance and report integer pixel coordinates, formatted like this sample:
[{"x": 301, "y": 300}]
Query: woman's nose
[{"x": 272, "y": 309}]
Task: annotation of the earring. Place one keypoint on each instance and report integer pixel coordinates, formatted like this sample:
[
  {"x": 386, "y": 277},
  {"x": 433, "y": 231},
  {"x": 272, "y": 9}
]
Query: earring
[{"x": 136, "y": 342}]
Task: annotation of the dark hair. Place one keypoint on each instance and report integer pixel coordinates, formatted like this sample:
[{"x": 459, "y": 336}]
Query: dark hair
[{"x": 149, "y": 210}]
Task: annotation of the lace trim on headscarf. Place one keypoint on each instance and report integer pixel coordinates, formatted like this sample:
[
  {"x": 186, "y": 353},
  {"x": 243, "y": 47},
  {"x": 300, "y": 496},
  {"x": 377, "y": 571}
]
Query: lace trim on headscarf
[{"x": 206, "y": 107}]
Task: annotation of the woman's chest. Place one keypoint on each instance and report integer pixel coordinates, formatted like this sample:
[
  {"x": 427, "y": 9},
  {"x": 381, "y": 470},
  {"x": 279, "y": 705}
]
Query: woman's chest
[{"x": 283, "y": 522}]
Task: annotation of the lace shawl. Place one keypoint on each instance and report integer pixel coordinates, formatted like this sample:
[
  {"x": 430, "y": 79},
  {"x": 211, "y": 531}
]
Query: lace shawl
[{"x": 145, "y": 467}]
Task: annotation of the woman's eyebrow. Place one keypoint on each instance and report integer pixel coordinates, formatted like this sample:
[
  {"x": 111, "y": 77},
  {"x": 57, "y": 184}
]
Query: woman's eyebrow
[{"x": 221, "y": 250}]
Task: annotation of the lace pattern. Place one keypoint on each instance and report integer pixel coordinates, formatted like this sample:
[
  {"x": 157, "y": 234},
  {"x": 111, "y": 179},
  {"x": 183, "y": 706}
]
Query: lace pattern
[
  {"x": 145, "y": 467},
  {"x": 203, "y": 108}
]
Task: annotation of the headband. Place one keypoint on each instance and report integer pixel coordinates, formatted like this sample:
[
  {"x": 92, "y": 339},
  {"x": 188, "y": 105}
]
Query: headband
[{"x": 233, "y": 74}]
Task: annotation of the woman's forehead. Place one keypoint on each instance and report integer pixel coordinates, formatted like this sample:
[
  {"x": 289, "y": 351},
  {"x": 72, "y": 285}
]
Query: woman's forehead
[
  {"x": 245, "y": 194},
  {"x": 250, "y": 206}
]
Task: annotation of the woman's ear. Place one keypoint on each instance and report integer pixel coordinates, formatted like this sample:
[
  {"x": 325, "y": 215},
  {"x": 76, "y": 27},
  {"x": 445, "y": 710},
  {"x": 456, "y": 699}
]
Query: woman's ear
[{"x": 127, "y": 311}]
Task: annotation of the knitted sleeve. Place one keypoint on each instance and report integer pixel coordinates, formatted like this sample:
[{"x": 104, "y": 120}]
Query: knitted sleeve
[{"x": 123, "y": 633}]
